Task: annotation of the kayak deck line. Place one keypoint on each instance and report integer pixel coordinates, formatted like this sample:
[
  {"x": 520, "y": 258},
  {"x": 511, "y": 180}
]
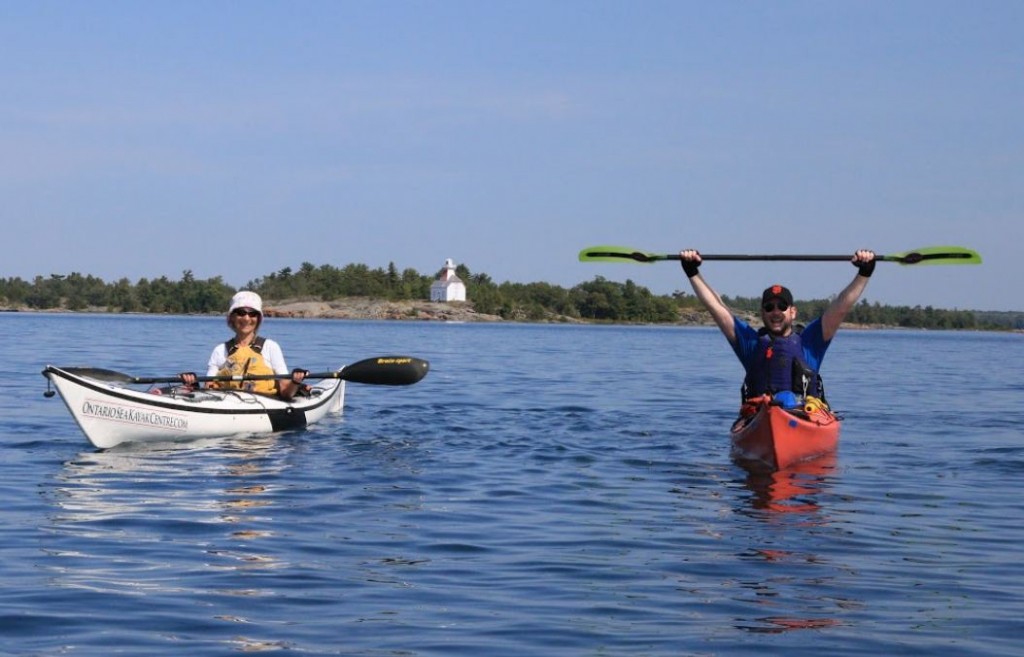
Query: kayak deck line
[{"x": 177, "y": 397}]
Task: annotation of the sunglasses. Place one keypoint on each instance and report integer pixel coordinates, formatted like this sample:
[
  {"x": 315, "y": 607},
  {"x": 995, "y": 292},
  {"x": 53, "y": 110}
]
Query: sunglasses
[
  {"x": 771, "y": 306},
  {"x": 242, "y": 312}
]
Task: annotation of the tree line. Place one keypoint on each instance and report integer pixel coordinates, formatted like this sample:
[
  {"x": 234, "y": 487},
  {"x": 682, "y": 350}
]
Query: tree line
[{"x": 597, "y": 300}]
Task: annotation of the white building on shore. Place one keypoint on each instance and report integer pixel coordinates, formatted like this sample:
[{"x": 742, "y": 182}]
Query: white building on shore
[{"x": 448, "y": 287}]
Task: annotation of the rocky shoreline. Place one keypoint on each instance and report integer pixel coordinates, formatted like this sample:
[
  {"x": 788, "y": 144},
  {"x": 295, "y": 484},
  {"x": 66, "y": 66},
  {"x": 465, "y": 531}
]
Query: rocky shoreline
[
  {"x": 378, "y": 309},
  {"x": 359, "y": 308},
  {"x": 364, "y": 308}
]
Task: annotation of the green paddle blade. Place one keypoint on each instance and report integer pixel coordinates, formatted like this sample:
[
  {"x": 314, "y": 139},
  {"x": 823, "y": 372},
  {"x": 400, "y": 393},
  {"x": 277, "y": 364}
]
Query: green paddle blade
[
  {"x": 617, "y": 254},
  {"x": 936, "y": 255}
]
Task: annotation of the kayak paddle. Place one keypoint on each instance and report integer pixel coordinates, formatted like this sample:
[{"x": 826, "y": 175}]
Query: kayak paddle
[
  {"x": 929, "y": 255},
  {"x": 382, "y": 370}
]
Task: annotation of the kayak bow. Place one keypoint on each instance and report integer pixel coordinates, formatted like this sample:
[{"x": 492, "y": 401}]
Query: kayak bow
[{"x": 771, "y": 437}]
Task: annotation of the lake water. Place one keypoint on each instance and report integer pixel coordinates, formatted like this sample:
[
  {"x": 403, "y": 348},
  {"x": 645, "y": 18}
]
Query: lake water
[{"x": 545, "y": 490}]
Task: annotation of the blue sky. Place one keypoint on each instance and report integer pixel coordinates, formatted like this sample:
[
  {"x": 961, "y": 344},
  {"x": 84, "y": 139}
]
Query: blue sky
[{"x": 143, "y": 139}]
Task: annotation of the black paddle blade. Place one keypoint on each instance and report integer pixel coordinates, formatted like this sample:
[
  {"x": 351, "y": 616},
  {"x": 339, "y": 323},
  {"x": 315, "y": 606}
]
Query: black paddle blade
[{"x": 386, "y": 371}]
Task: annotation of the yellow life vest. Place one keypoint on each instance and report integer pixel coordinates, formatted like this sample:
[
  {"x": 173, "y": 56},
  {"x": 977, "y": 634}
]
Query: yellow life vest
[{"x": 242, "y": 361}]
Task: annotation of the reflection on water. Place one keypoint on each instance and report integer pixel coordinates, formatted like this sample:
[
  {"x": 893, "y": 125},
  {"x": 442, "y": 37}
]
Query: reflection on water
[
  {"x": 792, "y": 500},
  {"x": 171, "y": 503},
  {"x": 793, "y": 490},
  {"x": 778, "y": 625}
]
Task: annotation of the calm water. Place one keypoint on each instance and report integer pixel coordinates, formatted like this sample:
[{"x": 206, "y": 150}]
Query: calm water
[{"x": 546, "y": 490}]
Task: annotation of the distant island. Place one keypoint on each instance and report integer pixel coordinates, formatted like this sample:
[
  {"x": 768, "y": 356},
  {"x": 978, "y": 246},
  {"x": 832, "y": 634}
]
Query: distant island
[{"x": 360, "y": 292}]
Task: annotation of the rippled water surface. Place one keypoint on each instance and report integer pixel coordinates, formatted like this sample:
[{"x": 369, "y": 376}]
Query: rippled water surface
[{"x": 546, "y": 490}]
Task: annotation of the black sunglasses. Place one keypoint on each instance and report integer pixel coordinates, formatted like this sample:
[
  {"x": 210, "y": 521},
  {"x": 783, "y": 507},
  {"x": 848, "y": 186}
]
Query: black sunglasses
[
  {"x": 242, "y": 312},
  {"x": 771, "y": 306}
]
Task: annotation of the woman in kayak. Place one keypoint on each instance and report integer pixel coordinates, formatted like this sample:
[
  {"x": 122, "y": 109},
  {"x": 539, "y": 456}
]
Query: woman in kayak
[
  {"x": 781, "y": 356},
  {"x": 249, "y": 354}
]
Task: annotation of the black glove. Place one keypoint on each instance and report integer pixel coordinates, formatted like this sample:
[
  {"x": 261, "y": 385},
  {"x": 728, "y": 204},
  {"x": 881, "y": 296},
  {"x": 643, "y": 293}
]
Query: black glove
[
  {"x": 865, "y": 268},
  {"x": 299, "y": 370},
  {"x": 690, "y": 267}
]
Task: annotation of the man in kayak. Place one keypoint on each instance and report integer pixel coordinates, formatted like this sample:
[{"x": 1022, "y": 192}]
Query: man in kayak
[
  {"x": 250, "y": 354},
  {"x": 782, "y": 356}
]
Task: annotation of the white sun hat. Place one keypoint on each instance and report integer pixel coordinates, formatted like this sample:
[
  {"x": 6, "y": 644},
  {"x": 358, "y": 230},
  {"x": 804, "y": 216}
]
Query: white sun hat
[{"x": 246, "y": 299}]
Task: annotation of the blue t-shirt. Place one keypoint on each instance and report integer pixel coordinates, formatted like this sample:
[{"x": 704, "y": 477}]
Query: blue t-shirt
[{"x": 747, "y": 347}]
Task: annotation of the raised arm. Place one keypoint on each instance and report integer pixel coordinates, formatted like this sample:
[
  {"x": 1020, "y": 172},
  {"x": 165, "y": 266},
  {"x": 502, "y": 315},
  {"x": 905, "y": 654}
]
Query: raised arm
[
  {"x": 690, "y": 260},
  {"x": 831, "y": 320}
]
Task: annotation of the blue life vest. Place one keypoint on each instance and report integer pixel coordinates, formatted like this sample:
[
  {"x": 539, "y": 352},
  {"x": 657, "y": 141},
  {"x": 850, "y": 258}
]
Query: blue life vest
[{"x": 779, "y": 365}]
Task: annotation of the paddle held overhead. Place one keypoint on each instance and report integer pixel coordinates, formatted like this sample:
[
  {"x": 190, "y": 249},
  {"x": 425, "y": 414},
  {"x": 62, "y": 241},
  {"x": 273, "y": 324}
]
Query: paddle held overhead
[{"x": 930, "y": 255}]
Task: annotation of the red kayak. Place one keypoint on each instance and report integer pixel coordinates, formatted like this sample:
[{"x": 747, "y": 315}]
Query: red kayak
[{"x": 768, "y": 436}]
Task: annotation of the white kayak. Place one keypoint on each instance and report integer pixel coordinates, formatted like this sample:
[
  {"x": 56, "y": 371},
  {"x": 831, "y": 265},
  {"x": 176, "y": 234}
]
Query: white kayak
[{"x": 110, "y": 413}]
